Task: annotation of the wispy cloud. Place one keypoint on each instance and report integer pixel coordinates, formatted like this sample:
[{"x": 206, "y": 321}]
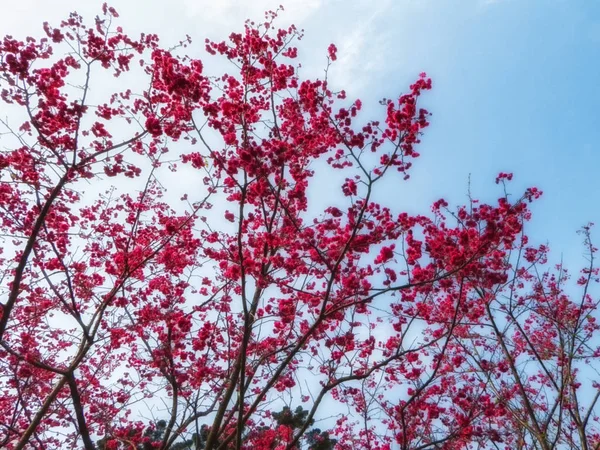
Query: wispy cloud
[
  {"x": 234, "y": 11},
  {"x": 358, "y": 51}
]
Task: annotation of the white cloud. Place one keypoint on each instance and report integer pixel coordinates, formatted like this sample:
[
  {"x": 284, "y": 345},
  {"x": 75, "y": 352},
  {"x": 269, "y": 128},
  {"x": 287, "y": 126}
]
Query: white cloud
[
  {"x": 236, "y": 11},
  {"x": 360, "y": 50}
]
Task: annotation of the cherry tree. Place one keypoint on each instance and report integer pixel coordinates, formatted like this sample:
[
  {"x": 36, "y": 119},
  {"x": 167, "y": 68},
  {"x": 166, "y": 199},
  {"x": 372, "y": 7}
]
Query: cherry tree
[{"x": 133, "y": 318}]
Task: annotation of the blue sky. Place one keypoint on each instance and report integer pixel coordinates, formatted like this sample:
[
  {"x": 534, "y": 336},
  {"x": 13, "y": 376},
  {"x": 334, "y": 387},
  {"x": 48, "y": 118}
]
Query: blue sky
[{"x": 516, "y": 84}]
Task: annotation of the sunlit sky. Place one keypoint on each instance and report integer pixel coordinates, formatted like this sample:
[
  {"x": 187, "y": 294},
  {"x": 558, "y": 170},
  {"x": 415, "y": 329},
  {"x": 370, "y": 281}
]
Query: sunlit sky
[{"x": 516, "y": 84}]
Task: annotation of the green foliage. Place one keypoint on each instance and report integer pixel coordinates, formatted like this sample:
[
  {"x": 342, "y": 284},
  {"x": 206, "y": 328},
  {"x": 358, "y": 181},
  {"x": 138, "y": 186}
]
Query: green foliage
[
  {"x": 294, "y": 420},
  {"x": 156, "y": 434},
  {"x": 315, "y": 438},
  {"x": 319, "y": 440}
]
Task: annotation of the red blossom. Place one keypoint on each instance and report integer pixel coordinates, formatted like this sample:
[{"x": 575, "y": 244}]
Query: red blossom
[
  {"x": 392, "y": 329},
  {"x": 153, "y": 126},
  {"x": 332, "y": 51}
]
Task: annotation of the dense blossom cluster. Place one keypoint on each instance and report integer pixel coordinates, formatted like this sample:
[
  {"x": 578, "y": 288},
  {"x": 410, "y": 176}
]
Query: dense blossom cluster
[{"x": 443, "y": 330}]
